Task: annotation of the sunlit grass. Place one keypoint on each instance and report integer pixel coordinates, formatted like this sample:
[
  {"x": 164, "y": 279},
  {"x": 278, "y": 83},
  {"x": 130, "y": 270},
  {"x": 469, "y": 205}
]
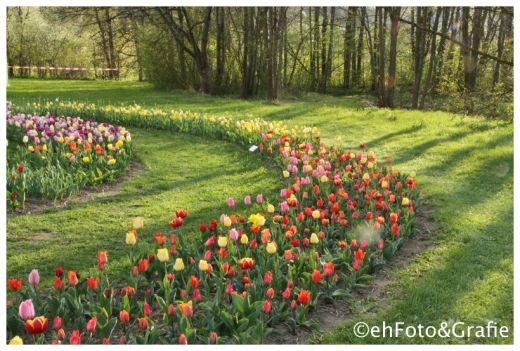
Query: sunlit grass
[{"x": 464, "y": 168}]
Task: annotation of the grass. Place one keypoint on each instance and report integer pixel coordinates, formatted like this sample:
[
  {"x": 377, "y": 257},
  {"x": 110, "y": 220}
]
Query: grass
[{"x": 464, "y": 168}]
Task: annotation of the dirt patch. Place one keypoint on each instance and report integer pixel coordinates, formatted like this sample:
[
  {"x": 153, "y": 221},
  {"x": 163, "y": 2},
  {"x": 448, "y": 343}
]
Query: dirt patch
[
  {"x": 330, "y": 315},
  {"x": 34, "y": 206}
]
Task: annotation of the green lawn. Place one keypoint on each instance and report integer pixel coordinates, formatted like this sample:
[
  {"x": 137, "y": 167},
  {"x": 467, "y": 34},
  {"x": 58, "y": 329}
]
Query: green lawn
[{"x": 464, "y": 168}]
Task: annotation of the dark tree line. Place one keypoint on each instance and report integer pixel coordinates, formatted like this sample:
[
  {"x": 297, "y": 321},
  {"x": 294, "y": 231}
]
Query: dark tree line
[{"x": 406, "y": 56}]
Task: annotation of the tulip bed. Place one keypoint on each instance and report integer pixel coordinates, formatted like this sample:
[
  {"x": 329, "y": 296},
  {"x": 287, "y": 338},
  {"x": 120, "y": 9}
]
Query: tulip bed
[
  {"x": 340, "y": 215},
  {"x": 56, "y": 157}
]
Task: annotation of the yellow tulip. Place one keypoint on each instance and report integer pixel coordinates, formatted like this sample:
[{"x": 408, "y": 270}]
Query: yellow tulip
[
  {"x": 384, "y": 184},
  {"x": 286, "y": 174},
  {"x": 16, "y": 341},
  {"x": 316, "y": 214},
  {"x": 222, "y": 241},
  {"x": 314, "y": 239},
  {"x": 179, "y": 265},
  {"x": 137, "y": 223},
  {"x": 256, "y": 220},
  {"x": 324, "y": 179},
  {"x": 86, "y": 159},
  {"x": 130, "y": 238},
  {"x": 60, "y": 140},
  {"x": 203, "y": 265},
  {"x": 271, "y": 247},
  {"x": 244, "y": 239},
  {"x": 30, "y": 148},
  {"x": 405, "y": 201},
  {"x": 112, "y": 161},
  {"x": 270, "y": 208},
  {"x": 119, "y": 144},
  {"x": 163, "y": 255},
  {"x": 226, "y": 221}
]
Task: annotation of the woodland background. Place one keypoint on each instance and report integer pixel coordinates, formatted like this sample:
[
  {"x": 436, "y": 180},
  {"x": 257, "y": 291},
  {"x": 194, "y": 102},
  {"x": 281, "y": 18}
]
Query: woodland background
[{"x": 457, "y": 59}]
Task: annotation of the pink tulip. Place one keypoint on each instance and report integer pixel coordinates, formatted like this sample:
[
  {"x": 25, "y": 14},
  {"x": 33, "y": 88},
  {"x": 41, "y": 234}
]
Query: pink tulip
[
  {"x": 34, "y": 277},
  {"x": 233, "y": 234},
  {"x": 26, "y": 310},
  {"x": 284, "y": 207},
  {"x": 259, "y": 199},
  {"x": 247, "y": 200},
  {"x": 231, "y": 202}
]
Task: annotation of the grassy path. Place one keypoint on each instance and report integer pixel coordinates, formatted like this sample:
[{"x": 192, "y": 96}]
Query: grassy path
[{"x": 464, "y": 168}]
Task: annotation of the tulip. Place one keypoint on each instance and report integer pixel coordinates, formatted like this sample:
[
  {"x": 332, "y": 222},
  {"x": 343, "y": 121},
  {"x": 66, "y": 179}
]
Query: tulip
[
  {"x": 14, "y": 284},
  {"x": 270, "y": 208},
  {"x": 131, "y": 238},
  {"x": 16, "y": 341},
  {"x": 259, "y": 199},
  {"x": 314, "y": 239},
  {"x": 91, "y": 325},
  {"x": 137, "y": 223},
  {"x": 162, "y": 255},
  {"x": 304, "y": 297},
  {"x": 405, "y": 201},
  {"x": 72, "y": 277},
  {"x": 213, "y": 338},
  {"x": 267, "y": 307},
  {"x": 171, "y": 310},
  {"x": 37, "y": 325},
  {"x": 231, "y": 202},
  {"x": 147, "y": 309},
  {"x": 226, "y": 221},
  {"x": 203, "y": 265},
  {"x": 34, "y": 277},
  {"x": 271, "y": 247},
  {"x": 186, "y": 309},
  {"x": 142, "y": 323},
  {"x": 233, "y": 234},
  {"x": 286, "y": 174},
  {"x": 93, "y": 283},
  {"x": 183, "y": 340},
  {"x": 143, "y": 265},
  {"x": 178, "y": 265},
  {"x": 270, "y": 293},
  {"x": 316, "y": 214},
  {"x": 60, "y": 334},
  {"x": 124, "y": 316},
  {"x": 268, "y": 277},
  {"x": 194, "y": 281},
  {"x": 26, "y": 310},
  {"x": 244, "y": 239},
  {"x": 75, "y": 338},
  {"x": 247, "y": 200},
  {"x": 56, "y": 323},
  {"x": 222, "y": 241},
  {"x": 316, "y": 276},
  {"x": 395, "y": 229}
]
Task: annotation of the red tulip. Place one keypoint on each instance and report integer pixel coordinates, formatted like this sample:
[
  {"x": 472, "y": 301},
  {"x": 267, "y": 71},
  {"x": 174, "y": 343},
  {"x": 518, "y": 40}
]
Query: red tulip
[
  {"x": 213, "y": 338},
  {"x": 37, "y": 325},
  {"x": 59, "y": 272},
  {"x": 194, "y": 281},
  {"x": 93, "y": 283},
  {"x": 183, "y": 340},
  {"x": 56, "y": 323},
  {"x": 14, "y": 284},
  {"x": 202, "y": 227},
  {"x": 75, "y": 338},
  {"x": 147, "y": 309},
  {"x": 91, "y": 325},
  {"x": 316, "y": 276},
  {"x": 304, "y": 297},
  {"x": 270, "y": 293},
  {"x": 268, "y": 277},
  {"x": 143, "y": 265},
  {"x": 267, "y": 307}
]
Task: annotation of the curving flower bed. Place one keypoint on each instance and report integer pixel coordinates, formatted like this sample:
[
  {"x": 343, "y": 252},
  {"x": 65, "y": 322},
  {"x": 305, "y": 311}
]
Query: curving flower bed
[
  {"x": 340, "y": 215},
  {"x": 58, "y": 156}
]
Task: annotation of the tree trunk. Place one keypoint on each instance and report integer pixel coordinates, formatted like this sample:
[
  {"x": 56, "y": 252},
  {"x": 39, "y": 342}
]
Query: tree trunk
[
  {"x": 395, "y": 13},
  {"x": 433, "y": 58}
]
